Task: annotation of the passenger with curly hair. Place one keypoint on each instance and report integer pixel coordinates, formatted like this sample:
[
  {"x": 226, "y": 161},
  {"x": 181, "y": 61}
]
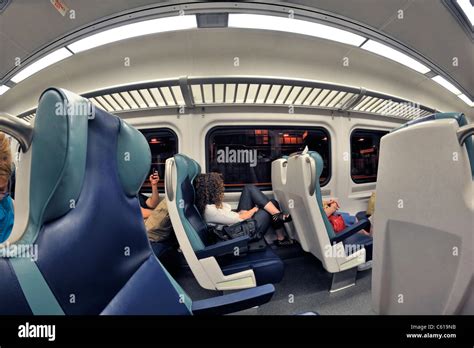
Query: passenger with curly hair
[
  {"x": 6, "y": 202},
  {"x": 252, "y": 204}
]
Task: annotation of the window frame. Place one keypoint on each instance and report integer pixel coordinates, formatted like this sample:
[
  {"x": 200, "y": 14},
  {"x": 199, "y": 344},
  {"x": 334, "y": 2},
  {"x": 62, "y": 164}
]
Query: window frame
[
  {"x": 350, "y": 144},
  {"x": 150, "y": 131},
  {"x": 259, "y": 126}
]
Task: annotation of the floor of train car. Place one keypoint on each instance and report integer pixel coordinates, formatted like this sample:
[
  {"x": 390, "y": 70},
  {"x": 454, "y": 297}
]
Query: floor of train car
[{"x": 304, "y": 288}]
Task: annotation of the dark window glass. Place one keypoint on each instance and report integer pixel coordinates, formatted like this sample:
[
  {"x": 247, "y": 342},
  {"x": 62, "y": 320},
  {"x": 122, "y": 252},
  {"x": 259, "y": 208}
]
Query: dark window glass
[
  {"x": 244, "y": 155},
  {"x": 163, "y": 145},
  {"x": 365, "y": 145}
]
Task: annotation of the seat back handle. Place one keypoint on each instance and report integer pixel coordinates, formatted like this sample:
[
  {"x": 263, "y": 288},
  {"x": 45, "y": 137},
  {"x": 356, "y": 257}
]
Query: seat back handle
[
  {"x": 19, "y": 129},
  {"x": 169, "y": 178},
  {"x": 312, "y": 170},
  {"x": 465, "y": 132}
]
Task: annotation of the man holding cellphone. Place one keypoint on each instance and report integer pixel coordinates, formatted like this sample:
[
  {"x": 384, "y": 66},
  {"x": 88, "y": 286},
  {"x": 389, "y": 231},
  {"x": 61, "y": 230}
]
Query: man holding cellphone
[
  {"x": 150, "y": 203},
  {"x": 155, "y": 212}
]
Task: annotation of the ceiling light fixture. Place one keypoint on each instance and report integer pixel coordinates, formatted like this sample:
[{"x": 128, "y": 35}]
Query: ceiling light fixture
[
  {"x": 297, "y": 26},
  {"x": 393, "y": 54},
  {"x": 42, "y": 63},
  {"x": 3, "y": 89},
  {"x": 468, "y": 9},
  {"x": 127, "y": 31},
  {"x": 446, "y": 84},
  {"x": 465, "y": 99}
]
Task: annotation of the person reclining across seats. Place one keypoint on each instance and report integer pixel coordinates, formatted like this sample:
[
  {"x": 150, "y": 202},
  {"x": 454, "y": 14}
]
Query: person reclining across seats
[
  {"x": 6, "y": 202},
  {"x": 252, "y": 204},
  {"x": 331, "y": 208}
]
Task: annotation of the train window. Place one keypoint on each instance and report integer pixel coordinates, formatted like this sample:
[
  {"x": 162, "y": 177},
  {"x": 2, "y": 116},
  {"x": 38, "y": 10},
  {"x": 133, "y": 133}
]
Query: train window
[
  {"x": 244, "y": 154},
  {"x": 365, "y": 145},
  {"x": 163, "y": 145}
]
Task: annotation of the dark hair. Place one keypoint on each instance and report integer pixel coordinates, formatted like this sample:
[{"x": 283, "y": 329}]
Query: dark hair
[{"x": 209, "y": 190}]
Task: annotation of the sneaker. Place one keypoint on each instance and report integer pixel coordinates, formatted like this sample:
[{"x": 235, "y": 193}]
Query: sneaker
[
  {"x": 283, "y": 242},
  {"x": 365, "y": 266}
]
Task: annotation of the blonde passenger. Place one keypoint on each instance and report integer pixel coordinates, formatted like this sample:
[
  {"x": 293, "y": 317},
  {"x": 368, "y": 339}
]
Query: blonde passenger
[{"x": 6, "y": 202}]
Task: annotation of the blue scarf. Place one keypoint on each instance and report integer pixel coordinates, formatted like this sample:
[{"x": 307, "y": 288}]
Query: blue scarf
[{"x": 6, "y": 217}]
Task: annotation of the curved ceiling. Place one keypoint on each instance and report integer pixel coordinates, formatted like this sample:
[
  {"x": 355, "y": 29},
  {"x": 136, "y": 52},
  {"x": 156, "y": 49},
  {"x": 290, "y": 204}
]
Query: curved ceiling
[{"x": 426, "y": 26}]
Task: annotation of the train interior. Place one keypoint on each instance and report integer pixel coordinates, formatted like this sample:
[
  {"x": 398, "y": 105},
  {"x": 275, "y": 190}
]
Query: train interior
[{"x": 369, "y": 103}]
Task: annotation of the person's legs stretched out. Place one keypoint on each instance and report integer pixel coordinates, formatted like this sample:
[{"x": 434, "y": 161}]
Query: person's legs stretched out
[{"x": 269, "y": 212}]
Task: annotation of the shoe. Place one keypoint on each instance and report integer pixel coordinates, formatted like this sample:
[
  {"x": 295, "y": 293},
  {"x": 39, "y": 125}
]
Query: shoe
[
  {"x": 279, "y": 219},
  {"x": 365, "y": 266},
  {"x": 283, "y": 242}
]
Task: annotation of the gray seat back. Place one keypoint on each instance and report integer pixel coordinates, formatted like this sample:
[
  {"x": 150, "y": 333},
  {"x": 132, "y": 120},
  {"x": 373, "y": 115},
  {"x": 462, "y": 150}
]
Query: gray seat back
[{"x": 424, "y": 221}]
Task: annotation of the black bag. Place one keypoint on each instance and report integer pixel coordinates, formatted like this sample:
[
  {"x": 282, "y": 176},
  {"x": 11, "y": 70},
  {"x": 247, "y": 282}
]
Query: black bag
[{"x": 244, "y": 228}]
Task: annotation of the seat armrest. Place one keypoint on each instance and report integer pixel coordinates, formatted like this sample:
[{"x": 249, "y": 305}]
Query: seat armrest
[
  {"x": 349, "y": 231},
  {"x": 224, "y": 247},
  {"x": 234, "y": 302}
]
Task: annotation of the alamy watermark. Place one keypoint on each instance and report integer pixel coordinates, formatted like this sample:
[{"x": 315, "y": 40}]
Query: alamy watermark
[
  {"x": 229, "y": 155},
  {"x": 333, "y": 251},
  {"x": 80, "y": 108},
  {"x": 27, "y": 251},
  {"x": 28, "y": 330}
]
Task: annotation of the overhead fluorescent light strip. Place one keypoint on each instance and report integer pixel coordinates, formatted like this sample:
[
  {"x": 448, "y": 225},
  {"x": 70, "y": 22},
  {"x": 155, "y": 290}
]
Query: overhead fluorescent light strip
[
  {"x": 468, "y": 9},
  {"x": 297, "y": 26},
  {"x": 42, "y": 63},
  {"x": 393, "y": 54},
  {"x": 446, "y": 84},
  {"x": 3, "y": 89},
  {"x": 127, "y": 31},
  {"x": 464, "y": 98}
]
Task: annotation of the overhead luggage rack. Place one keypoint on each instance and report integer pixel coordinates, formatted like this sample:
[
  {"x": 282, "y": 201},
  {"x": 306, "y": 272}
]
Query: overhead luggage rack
[{"x": 207, "y": 92}]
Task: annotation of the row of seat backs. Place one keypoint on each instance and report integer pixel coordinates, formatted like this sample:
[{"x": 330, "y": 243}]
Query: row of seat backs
[
  {"x": 79, "y": 180},
  {"x": 295, "y": 182},
  {"x": 423, "y": 221}
]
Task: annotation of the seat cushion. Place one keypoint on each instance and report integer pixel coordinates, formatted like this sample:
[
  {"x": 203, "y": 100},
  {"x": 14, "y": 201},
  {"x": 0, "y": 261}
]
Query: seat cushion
[
  {"x": 462, "y": 121},
  {"x": 167, "y": 253},
  {"x": 160, "y": 248},
  {"x": 267, "y": 266},
  {"x": 12, "y": 300},
  {"x": 357, "y": 241},
  {"x": 150, "y": 291}
]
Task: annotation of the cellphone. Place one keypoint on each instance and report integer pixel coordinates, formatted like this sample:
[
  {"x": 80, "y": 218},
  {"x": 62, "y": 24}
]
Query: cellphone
[{"x": 155, "y": 171}]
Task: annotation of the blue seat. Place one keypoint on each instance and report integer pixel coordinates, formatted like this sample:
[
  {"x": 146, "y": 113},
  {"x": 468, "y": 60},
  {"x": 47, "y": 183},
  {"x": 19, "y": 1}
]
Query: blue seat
[
  {"x": 84, "y": 217},
  {"x": 214, "y": 265}
]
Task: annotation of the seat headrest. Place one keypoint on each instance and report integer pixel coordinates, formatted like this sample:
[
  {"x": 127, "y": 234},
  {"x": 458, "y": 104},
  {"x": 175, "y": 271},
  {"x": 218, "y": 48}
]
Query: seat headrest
[
  {"x": 461, "y": 120},
  {"x": 58, "y": 156},
  {"x": 194, "y": 169},
  {"x": 186, "y": 167},
  {"x": 319, "y": 164},
  {"x": 182, "y": 166},
  {"x": 59, "y": 152},
  {"x": 133, "y": 158},
  {"x": 458, "y": 116}
]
